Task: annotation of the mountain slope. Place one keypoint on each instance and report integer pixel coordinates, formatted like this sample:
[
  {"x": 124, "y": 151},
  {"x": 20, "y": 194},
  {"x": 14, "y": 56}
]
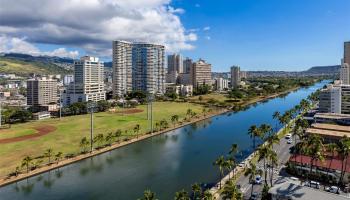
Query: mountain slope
[{"x": 25, "y": 67}]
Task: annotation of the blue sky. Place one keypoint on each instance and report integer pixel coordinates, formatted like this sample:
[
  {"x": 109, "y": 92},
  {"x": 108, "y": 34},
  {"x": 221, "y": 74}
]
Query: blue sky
[
  {"x": 289, "y": 35},
  {"x": 268, "y": 34}
]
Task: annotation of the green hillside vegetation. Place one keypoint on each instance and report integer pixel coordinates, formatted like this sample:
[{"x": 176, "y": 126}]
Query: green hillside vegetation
[{"x": 23, "y": 68}]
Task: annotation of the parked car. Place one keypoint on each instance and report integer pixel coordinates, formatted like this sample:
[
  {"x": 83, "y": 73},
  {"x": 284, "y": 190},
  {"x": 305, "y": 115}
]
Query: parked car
[
  {"x": 313, "y": 184},
  {"x": 333, "y": 189},
  {"x": 258, "y": 180},
  {"x": 254, "y": 196},
  {"x": 288, "y": 136},
  {"x": 290, "y": 141}
]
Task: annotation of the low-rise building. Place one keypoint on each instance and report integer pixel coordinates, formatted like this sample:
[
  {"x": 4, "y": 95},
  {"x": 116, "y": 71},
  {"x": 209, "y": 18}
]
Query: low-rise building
[
  {"x": 342, "y": 119},
  {"x": 182, "y": 90},
  {"x": 41, "y": 115},
  {"x": 330, "y": 132},
  {"x": 221, "y": 84}
]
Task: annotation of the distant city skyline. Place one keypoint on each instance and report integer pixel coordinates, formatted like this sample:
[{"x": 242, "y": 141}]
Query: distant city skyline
[{"x": 255, "y": 35}]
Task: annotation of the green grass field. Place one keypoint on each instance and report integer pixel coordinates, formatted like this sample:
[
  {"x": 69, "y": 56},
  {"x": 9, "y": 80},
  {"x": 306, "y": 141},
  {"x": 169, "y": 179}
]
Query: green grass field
[{"x": 70, "y": 130}]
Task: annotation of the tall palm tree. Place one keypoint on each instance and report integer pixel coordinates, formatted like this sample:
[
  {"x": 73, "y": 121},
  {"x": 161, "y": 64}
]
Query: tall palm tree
[
  {"x": 233, "y": 151},
  {"x": 48, "y": 154},
  {"x": 182, "y": 195},
  {"x": 136, "y": 130},
  {"x": 254, "y": 132},
  {"x": 220, "y": 163},
  {"x": 58, "y": 156},
  {"x": 197, "y": 191},
  {"x": 148, "y": 195},
  {"x": 252, "y": 171},
  {"x": 276, "y": 115},
  {"x": 207, "y": 195},
  {"x": 315, "y": 149},
  {"x": 26, "y": 162},
  {"x": 265, "y": 130},
  {"x": 263, "y": 153},
  {"x": 274, "y": 162},
  {"x": 344, "y": 150},
  {"x": 332, "y": 148},
  {"x": 272, "y": 139},
  {"x": 229, "y": 165},
  {"x": 231, "y": 191},
  {"x": 174, "y": 119}
]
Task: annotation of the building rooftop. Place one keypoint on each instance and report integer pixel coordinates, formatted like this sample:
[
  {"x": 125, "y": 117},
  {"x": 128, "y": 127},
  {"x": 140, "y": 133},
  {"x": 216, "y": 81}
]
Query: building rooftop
[
  {"x": 332, "y": 116},
  {"x": 329, "y": 130},
  {"x": 332, "y": 127},
  {"x": 292, "y": 190}
]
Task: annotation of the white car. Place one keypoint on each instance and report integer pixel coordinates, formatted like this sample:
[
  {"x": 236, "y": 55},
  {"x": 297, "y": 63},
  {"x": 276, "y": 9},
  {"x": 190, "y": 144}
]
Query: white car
[
  {"x": 290, "y": 141},
  {"x": 288, "y": 136},
  {"x": 313, "y": 184},
  {"x": 258, "y": 180},
  {"x": 333, "y": 189}
]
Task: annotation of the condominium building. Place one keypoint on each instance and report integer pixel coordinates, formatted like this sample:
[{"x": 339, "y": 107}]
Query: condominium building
[
  {"x": 201, "y": 73},
  {"x": 175, "y": 63},
  {"x": 345, "y": 99},
  {"x": 187, "y": 65},
  {"x": 235, "y": 76},
  {"x": 221, "y": 84},
  {"x": 41, "y": 91},
  {"x": 347, "y": 52},
  {"x": 138, "y": 67},
  {"x": 345, "y": 65},
  {"x": 330, "y": 100},
  {"x": 88, "y": 82},
  {"x": 243, "y": 74}
]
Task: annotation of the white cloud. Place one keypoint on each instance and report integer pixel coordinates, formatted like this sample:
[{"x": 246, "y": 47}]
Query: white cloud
[
  {"x": 207, "y": 28},
  {"x": 19, "y": 45},
  {"x": 93, "y": 24}
]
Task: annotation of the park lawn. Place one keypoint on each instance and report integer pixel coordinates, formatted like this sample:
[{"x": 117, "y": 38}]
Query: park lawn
[
  {"x": 70, "y": 130},
  {"x": 207, "y": 97}
]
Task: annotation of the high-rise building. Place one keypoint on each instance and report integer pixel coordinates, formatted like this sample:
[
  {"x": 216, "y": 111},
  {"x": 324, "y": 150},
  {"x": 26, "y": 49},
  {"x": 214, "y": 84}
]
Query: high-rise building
[
  {"x": 345, "y": 99},
  {"x": 138, "y": 67},
  {"x": 201, "y": 73},
  {"x": 88, "y": 82},
  {"x": 235, "y": 76},
  {"x": 41, "y": 91},
  {"x": 345, "y": 65},
  {"x": 243, "y": 74},
  {"x": 330, "y": 100},
  {"x": 175, "y": 63},
  {"x": 187, "y": 65}
]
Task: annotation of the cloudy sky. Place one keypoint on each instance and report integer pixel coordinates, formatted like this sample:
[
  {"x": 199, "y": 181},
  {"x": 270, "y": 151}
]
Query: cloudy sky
[{"x": 255, "y": 34}]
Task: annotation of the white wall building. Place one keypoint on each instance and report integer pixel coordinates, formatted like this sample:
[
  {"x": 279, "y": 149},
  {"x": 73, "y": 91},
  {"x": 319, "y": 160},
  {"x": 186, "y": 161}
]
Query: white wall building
[
  {"x": 221, "y": 84},
  {"x": 88, "y": 82}
]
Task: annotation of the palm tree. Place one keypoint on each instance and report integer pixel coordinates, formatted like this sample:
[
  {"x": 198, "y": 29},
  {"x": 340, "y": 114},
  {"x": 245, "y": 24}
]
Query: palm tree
[
  {"x": 344, "y": 150},
  {"x": 315, "y": 149},
  {"x": 48, "y": 153},
  {"x": 254, "y": 132},
  {"x": 58, "y": 156},
  {"x": 332, "y": 148},
  {"x": 26, "y": 162},
  {"x": 231, "y": 191},
  {"x": 148, "y": 195},
  {"x": 109, "y": 138},
  {"x": 174, "y": 119},
  {"x": 136, "y": 130},
  {"x": 84, "y": 144},
  {"x": 263, "y": 153},
  {"x": 197, "y": 190},
  {"x": 207, "y": 195},
  {"x": 233, "y": 151},
  {"x": 276, "y": 116},
  {"x": 274, "y": 162},
  {"x": 251, "y": 171},
  {"x": 229, "y": 165},
  {"x": 182, "y": 195},
  {"x": 265, "y": 130},
  {"x": 273, "y": 139},
  {"x": 220, "y": 163}
]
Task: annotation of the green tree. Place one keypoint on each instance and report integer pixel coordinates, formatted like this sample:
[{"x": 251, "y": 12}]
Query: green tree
[
  {"x": 84, "y": 144},
  {"x": 231, "y": 191},
  {"x": 254, "y": 132},
  {"x": 99, "y": 139},
  {"x": 109, "y": 138},
  {"x": 148, "y": 195},
  {"x": 27, "y": 162},
  {"x": 48, "y": 154},
  {"x": 207, "y": 195},
  {"x": 58, "y": 156},
  {"x": 137, "y": 130},
  {"x": 182, "y": 195},
  {"x": 252, "y": 172},
  {"x": 174, "y": 119},
  {"x": 220, "y": 163},
  {"x": 197, "y": 191}
]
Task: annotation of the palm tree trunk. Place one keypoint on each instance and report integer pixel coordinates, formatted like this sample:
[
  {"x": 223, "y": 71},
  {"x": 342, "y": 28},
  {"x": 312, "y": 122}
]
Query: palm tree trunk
[
  {"x": 271, "y": 175},
  {"x": 265, "y": 168}
]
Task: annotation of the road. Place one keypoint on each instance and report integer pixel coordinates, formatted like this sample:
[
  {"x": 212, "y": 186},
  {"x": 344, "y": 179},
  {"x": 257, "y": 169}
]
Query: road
[{"x": 283, "y": 152}]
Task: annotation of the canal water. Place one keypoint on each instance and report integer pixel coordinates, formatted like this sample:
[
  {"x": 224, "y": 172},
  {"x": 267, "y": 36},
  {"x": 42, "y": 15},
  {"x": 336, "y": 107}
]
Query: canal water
[{"x": 164, "y": 164}]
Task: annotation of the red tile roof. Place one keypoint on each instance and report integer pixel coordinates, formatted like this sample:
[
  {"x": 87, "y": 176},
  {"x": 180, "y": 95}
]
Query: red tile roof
[{"x": 336, "y": 162}]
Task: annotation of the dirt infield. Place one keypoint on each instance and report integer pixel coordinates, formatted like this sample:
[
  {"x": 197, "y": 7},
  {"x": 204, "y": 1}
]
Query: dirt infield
[
  {"x": 130, "y": 111},
  {"x": 40, "y": 131}
]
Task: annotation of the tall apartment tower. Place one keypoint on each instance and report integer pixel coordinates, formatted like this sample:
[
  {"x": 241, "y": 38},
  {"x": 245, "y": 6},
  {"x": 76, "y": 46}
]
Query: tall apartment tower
[
  {"x": 235, "y": 76},
  {"x": 330, "y": 100},
  {"x": 201, "y": 73},
  {"x": 345, "y": 65},
  {"x": 88, "y": 82},
  {"x": 187, "y": 65},
  {"x": 138, "y": 67},
  {"x": 41, "y": 91},
  {"x": 175, "y": 63}
]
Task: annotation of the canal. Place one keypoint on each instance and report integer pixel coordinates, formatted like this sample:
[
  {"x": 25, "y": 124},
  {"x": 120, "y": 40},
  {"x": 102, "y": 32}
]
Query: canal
[{"x": 164, "y": 164}]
